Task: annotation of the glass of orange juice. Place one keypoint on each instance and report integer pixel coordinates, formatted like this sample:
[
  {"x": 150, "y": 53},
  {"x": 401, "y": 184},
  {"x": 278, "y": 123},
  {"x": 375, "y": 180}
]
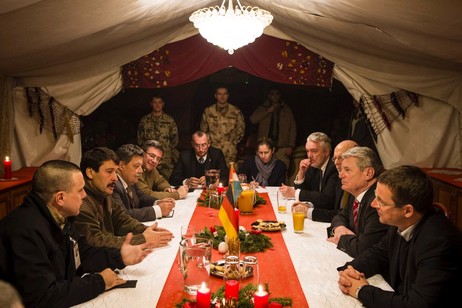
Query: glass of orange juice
[
  {"x": 246, "y": 201},
  {"x": 282, "y": 203},
  {"x": 298, "y": 215}
]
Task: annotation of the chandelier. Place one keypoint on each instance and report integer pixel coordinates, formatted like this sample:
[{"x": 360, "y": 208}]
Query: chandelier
[{"x": 231, "y": 28}]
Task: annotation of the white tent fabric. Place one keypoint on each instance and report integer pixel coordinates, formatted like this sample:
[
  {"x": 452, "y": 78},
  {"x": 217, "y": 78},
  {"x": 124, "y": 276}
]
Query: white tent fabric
[{"x": 73, "y": 50}]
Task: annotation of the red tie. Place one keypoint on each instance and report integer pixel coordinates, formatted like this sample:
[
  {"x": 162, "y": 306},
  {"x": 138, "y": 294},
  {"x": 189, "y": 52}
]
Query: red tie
[{"x": 355, "y": 213}]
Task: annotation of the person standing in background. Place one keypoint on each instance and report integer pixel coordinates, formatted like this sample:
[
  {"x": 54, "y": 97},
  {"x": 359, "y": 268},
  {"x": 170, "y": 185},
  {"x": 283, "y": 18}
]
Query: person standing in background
[
  {"x": 224, "y": 123},
  {"x": 159, "y": 126},
  {"x": 276, "y": 121}
]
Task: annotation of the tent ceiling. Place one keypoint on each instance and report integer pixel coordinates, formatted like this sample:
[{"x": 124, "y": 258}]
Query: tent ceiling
[{"x": 51, "y": 42}]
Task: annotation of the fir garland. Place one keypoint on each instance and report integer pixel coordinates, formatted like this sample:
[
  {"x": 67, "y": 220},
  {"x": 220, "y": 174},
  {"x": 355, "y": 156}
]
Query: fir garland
[
  {"x": 245, "y": 298},
  {"x": 253, "y": 241}
]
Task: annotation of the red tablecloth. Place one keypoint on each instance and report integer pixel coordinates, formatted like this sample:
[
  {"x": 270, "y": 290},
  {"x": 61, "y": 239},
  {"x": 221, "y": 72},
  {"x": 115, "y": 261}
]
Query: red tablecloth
[{"x": 276, "y": 267}]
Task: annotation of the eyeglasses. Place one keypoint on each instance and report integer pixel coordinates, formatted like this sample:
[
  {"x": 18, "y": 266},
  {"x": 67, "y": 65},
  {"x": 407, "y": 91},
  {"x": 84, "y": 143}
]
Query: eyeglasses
[
  {"x": 339, "y": 158},
  {"x": 154, "y": 156},
  {"x": 198, "y": 146},
  {"x": 381, "y": 204}
]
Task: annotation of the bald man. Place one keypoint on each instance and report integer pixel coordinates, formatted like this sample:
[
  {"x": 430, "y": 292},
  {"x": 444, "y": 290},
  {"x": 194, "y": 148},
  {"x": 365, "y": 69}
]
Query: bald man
[{"x": 341, "y": 196}]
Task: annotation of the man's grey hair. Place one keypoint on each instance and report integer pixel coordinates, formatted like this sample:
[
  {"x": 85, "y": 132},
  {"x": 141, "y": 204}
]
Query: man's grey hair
[
  {"x": 321, "y": 138},
  {"x": 200, "y": 133},
  {"x": 365, "y": 158}
]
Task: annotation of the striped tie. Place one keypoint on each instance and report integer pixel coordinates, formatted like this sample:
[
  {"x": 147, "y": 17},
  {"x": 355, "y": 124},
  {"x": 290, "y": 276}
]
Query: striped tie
[
  {"x": 201, "y": 160},
  {"x": 355, "y": 214}
]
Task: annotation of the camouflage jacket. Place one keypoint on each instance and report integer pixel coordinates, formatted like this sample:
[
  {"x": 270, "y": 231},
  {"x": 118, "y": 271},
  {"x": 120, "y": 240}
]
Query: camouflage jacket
[
  {"x": 162, "y": 129},
  {"x": 225, "y": 128}
]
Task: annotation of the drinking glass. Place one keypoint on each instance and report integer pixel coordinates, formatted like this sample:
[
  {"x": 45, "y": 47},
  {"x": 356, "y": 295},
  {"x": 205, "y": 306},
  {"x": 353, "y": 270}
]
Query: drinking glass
[
  {"x": 212, "y": 176},
  {"x": 187, "y": 231},
  {"x": 242, "y": 178},
  {"x": 196, "y": 254},
  {"x": 298, "y": 215},
  {"x": 246, "y": 201},
  {"x": 250, "y": 271},
  {"x": 282, "y": 203},
  {"x": 232, "y": 277},
  {"x": 214, "y": 204}
]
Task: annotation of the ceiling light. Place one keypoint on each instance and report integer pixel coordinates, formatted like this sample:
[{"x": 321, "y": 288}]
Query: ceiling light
[{"x": 231, "y": 28}]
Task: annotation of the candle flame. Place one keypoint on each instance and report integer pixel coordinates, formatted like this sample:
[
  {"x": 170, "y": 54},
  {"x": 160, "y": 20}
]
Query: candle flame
[
  {"x": 203, "y": 286},
  {"x": 260, "y": 288},
  {"x": 7, "y": 158}
]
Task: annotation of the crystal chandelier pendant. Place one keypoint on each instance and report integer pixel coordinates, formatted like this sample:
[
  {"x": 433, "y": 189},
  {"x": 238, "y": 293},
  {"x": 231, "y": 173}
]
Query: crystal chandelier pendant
[{"x": 231, "y": 28}]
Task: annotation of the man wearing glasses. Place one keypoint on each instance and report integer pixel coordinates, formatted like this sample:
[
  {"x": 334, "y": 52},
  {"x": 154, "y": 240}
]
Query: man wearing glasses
[
  {"x": 190, "y": 167},
  {"x": 152, "y": 182},
  {"x": 137, "y": 204},
  {"x": 357, "y": 227},
  {"x": 420, "y": 255}
]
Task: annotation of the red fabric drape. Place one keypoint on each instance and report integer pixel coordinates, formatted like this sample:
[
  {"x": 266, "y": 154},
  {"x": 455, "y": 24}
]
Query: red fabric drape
[{"x": 193, "y": 58}]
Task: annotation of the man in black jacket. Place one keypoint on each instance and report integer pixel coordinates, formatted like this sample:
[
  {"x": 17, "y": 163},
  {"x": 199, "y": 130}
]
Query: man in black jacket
[
  {"x": 190, "y": 167},
  {"x": 317, "y": 177},
  {"x": 45, "y": 257},
  {"x": 341, "y": 196},
  {"x": 421, "y": 254}
]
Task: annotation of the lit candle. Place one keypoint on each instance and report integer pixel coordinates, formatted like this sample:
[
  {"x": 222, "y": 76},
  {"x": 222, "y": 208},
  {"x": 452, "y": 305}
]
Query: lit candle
[
  {"x": 260, "y": 298},
  {"x": 203, "y": 297},
  {"x": 220, "y": 188},
  {"x": 7, "y": 168},
  {"x": 231, "y": 289}
]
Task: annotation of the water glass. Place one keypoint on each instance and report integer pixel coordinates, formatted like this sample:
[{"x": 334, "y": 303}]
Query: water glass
[
  {"x": 196, "y": 254},
  {"x": 212, "y": 177},
  {"x": 232, "y": 268},
  {"x": 250, "y": 271},
  {"x": 214, "y": 204},
  {"x": 187, "y": 231}
]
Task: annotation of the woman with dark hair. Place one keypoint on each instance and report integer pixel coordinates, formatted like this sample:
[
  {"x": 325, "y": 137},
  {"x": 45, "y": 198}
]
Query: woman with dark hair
[{"x": 264, "y": 168}]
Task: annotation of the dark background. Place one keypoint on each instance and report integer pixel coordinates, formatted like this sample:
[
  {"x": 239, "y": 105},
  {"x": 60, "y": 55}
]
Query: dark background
[{"x": 115, "y": 122}]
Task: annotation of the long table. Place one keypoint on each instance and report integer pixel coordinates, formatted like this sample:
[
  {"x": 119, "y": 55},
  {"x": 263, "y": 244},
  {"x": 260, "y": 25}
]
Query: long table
[{"x": 315, "y": 261}]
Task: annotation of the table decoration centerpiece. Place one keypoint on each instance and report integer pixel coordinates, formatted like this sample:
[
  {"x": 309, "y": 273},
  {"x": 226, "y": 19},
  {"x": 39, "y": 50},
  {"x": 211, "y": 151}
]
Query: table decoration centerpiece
[
  {"x": 245, "y": 300},
  {"x": 250, "y": 241}
]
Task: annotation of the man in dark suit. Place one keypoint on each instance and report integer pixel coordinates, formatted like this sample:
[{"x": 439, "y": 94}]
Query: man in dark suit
[
  {"x": 357, "y": 227},
  {"x": 137, "y": 203},
  {"x": 341, "y": 197},
  {"x": 421, "y": 254},
  {"x": 317, "y": 177},
  {"x": 190, "y": 167}
]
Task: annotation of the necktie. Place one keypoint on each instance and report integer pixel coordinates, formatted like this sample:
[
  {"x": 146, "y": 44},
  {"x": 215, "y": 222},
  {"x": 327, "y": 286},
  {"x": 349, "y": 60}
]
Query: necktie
[
  {"x": 201, "y": 160},
  {"x": 130, "y": 196},
  {"x": 320, "y": 179},
  {"x": 355, "y": 214}
]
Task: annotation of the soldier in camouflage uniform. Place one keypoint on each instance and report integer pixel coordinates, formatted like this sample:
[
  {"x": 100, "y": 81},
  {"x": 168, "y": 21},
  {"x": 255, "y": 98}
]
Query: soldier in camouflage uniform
[
  {"x": 161, "y": 127},
  {"x": 224, "y": 123}
]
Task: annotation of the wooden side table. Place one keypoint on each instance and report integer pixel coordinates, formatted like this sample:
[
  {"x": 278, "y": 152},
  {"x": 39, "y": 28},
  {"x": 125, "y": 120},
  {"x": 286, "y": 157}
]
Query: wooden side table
[{"x": 12, "y": 191}]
